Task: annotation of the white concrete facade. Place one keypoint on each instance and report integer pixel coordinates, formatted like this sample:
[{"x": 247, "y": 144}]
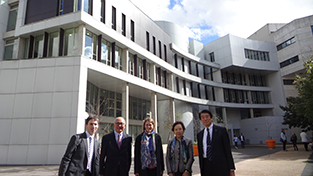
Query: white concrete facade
[{"x": 155, "y": 73}]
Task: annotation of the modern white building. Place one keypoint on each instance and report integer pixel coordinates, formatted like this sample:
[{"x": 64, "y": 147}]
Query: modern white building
[
  {"x": 60, "y": 60},
  {"x": 294, "y": 43}
]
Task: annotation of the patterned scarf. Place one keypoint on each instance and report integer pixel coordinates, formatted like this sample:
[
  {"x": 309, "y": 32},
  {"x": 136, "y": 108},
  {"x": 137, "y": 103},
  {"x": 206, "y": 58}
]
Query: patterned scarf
[
  {"x": 148, "y": 156},
  {"x": 183, "y": 147}
]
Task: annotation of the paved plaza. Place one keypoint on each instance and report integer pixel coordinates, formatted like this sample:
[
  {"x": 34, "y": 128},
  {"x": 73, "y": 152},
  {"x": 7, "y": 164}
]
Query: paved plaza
[{"x": 254, "y": 160}]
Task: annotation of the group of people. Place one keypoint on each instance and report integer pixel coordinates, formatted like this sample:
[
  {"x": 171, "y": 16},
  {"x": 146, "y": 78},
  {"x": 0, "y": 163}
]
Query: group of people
[
  {"x": 293, "y": 139},
  {"x": 83, "y": 156},
  {"x": 242, "y": 141}
]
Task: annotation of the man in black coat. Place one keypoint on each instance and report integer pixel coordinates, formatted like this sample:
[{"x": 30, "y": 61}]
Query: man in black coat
[
  {"x": 215, "y": 155},
  {"x": 82, "y": 154},
  {"x": 115, "y": 158}
]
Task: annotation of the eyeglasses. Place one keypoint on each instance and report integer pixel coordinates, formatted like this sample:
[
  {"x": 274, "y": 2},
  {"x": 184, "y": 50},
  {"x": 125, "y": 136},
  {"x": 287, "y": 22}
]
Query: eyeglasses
[{"x": 116, "y": 123}]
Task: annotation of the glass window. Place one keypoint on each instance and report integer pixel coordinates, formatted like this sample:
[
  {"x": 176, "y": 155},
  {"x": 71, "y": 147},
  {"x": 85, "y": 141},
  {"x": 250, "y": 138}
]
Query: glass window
[
  {"x": 102, "y": 11},
  {"x": 148, "y": 72},
  {"x": 165, "y": 53},
  {"x": 94, "y": 46},
  {"x": 87, "y": 6},
  {"x": 123, "y": 25},
  {"x": 77, "y": 5},
  {"x": 53, "y": 44},
  {"x": 38, "y": 50},
  {"x": 118, "y": 58},
  {"x": 26, "y": 48},
  {"x": 113, "y": 18},
  {"x": 147, "y": 41},
  {"x": 105, "y": 51},
  {"x": 9, "y": 49},
  {"x": 61, "y": 7},
  {"x": 140, "y": 68},
  {"x": 88, "y": 44},
  {"x": 132, "y": 30},
  {"x": 131, "y": 64},
  {"x": 154, "y": 45},
  {"x": 12, "y": 17},
  {"x": 70, "y": 42}
]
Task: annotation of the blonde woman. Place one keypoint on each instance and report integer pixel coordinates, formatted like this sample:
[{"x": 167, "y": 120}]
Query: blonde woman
[{"x": 148, "y": 151}]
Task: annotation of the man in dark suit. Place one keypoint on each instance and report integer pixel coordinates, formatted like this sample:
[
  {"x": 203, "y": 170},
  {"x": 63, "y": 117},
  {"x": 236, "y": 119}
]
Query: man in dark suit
[
  {"x": 82, "y": 154},
  {"x": 215, "y": 155},
  {"x": 115, "y": 158}
]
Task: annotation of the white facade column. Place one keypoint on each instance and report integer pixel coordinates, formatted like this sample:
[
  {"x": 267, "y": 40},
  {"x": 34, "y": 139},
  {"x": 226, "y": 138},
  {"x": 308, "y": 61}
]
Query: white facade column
[
  {"x": 171, "y": 81},
  {"x": 251, "y": 113},
  {"x": 125, "y": 105},
  {"x": 153, "y": 73},
  {"x": 172, "y": 109},
  {"x": 125, "y": 60},
  {"x": 224, "y": 114},
  {"x": 81, "y": 39},
  {"x": 154, "y": 109}
]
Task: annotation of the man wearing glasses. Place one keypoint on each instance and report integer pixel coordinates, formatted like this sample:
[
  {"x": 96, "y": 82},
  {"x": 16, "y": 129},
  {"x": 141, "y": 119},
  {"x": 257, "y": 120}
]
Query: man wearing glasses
[{"x": 115, "y": 158}]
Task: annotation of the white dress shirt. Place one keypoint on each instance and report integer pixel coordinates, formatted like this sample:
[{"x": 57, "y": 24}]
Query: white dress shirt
[{"x": 204, "y": 140}]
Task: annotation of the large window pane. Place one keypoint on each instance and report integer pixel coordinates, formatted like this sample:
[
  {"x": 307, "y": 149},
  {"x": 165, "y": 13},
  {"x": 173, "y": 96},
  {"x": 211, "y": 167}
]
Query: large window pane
[
  {"x": 118, "y": 58},
  {"x": 94, "y": 46},
  {"x": 87, "y": 6},
  {"x": 26, "y": 49},
  {"x": 53, "y": 44},
  {"x": 105, "y": 51},
  {"x": 68, "y": 41},
  {"x": 9, "y": 49},
  {"x": 88, "y": 44},
  {"x": 77, "y": 5},
  {"x": 38, "y": 50},
  {"x": 12, "y": 17}
]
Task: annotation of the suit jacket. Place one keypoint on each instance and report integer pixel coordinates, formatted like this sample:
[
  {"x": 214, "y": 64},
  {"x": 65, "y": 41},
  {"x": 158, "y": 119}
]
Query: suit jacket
[
  {"x": 159, "y": 154},
  {"x": 177, "y": 154},
  {"x": 221, "y": 151},
  {"x": 74, "y": 161},
  {"x": 114, "y": 159}
]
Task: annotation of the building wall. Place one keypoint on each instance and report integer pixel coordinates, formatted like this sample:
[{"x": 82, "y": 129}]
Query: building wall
[{"x": 39, "y": 105}]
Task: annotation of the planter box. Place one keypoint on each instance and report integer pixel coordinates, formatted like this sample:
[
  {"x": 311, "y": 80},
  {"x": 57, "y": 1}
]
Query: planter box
[
  {"x": 195, "y": 150},
  {"x": 270, "y": 143}
]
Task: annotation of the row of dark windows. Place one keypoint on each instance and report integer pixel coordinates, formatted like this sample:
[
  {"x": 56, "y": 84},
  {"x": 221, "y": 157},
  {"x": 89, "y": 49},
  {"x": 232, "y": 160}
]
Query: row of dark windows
[
  {"x": 289, "y": 61},
  {"x": 240, "y": 96},
  {"x": 257, "y": 55},
  {"x": 286, "y": 43},
  {"x": 240, "y": 79},
  {"x": 288, "y": 81},
  {"x": 154, "y": 50}
]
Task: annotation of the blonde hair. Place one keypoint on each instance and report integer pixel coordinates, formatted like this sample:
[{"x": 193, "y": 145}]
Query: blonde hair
[{"x": 146, "y": 120}]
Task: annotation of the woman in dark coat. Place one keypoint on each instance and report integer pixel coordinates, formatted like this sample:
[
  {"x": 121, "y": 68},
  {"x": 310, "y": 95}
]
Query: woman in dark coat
[{"x": 148, "y": 151}]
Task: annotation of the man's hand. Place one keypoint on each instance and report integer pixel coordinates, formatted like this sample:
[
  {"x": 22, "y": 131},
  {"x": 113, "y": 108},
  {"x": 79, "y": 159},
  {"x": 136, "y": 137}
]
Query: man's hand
[{"x": 232, "y": 173}]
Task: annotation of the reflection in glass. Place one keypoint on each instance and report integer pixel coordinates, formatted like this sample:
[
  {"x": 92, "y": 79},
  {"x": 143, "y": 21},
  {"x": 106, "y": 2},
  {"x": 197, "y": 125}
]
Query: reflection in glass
[
  {"x": 38, "y": 51},
  {"x": 88, "y": 44},
  {"x": 53, "y": 44}
]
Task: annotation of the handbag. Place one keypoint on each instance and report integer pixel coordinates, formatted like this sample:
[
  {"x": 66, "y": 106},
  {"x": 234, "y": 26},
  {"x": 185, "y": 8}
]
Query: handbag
[{"x": 281, "y": 140}]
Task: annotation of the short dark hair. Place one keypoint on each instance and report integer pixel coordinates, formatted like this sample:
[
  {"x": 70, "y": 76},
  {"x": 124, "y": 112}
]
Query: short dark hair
[
  {"x": 178, "y": 122},
  {"x": 91, "y": 117},
  {"x": 205, "y": 111}
]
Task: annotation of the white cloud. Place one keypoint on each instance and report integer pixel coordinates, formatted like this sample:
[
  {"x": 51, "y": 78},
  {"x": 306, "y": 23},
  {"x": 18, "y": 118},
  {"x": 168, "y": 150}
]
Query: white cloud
[{"x": 237, "y": 17}]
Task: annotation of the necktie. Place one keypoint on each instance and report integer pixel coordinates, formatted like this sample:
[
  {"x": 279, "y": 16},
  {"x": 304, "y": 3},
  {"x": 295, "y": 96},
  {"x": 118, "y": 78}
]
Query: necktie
[
  {"x": 89, "y": 154},
  {"x": 119, "y": 140},
  {"x": 209, "y": 145}
]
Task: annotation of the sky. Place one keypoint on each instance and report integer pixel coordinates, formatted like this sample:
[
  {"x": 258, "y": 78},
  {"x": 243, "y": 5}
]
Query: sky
[{"x": 208, "y": 20}]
